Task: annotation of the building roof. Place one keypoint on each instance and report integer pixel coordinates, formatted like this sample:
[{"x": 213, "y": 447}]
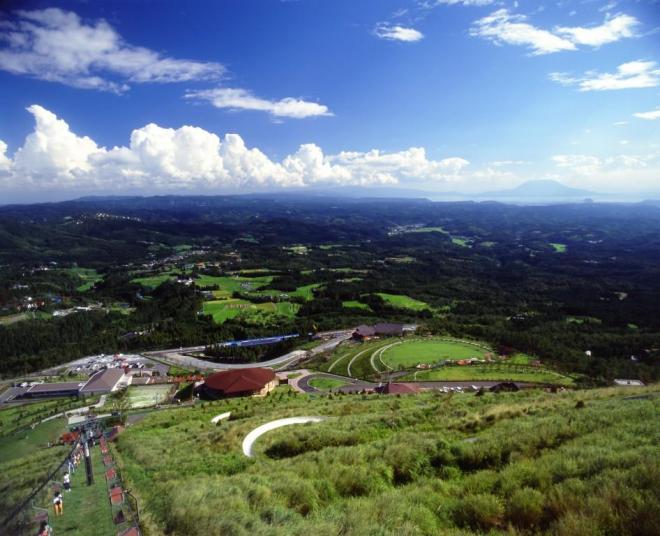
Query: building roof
[
  {"x": 104, "y": 380},
  {"x": 54, "y": 387},
  {"x": 365, "y": 331},
  {"x": 385, "y": 328},
  {"x": 240, "y": 380},
  {"x": 399, "y": 389}
]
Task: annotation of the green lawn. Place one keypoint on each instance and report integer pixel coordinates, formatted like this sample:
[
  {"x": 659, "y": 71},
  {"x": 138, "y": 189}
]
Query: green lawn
[
  {"x": 490, "y": 372},
  {"x": 306, "y": 292},
  {"x": 222, "y": 310},
  {"x": 403, "y": 302},
  {"x": 24, "y": 443},
  {"x": 463, "y": 242},
  {"x": 327, "y": 383},
  {"x": 88, "y": 277},
  {"x": 354, "y": 304},
  {"x": 153, "y": 281},
  {"x": 87, "y": 509},
  {"x": 234, "y": 283},
  {"x": 428, "y": 230},
  {"x": 559, "y": 248},
  {"x": 413, "y": 352}
]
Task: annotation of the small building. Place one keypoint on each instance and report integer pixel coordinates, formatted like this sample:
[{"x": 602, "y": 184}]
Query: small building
[
  {"x": 238, "y": 382},
  {"x": 364, "y": 333},
  {"x": 398, "y": 389},
  {"x": 382, "y": 329},
  {"x": 628, "y": 383},
  {"x": 105, "y": 381}
]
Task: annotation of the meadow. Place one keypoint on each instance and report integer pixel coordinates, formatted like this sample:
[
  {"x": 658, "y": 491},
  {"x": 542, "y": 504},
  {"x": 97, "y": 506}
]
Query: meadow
[
  {"x": 531, "y": 462},
  {"x": 403, "y": 302}
]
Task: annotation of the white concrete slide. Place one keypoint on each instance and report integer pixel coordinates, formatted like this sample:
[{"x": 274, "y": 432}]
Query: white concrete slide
[
  {"x": 222, "y": 416},
  {"x": 249, "y": 440}
]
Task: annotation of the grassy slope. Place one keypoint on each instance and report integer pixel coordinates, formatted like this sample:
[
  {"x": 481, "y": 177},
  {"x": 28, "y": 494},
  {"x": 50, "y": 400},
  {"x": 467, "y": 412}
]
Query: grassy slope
[
  {"x": 535, "y": 463},
  {"x": 86, "y": 508}
]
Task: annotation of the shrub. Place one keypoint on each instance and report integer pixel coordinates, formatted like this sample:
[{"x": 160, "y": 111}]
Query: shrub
[
  {"x": 480, "y": 512},
  {"x": 525, "y": 508}
]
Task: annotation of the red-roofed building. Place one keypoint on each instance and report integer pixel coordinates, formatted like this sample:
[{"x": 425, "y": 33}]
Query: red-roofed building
[{"x": 238, "y": 382}]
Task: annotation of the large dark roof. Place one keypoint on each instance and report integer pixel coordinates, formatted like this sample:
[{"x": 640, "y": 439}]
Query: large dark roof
[
  {"x": 104, "y": 380},
  {"x": 365, "y": 331},
  {"x": 240, "y": 380},
  {"x": 54, "y": 387},
  {"x": 388, "y": 329}
]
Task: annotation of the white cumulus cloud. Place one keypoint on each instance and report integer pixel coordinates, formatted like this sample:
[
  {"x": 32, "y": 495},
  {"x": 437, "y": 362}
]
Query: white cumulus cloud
[
  {"x": 397, "y": 33},
  {"x": 56, "y": 45},
  {"x": 503, "y": 27},
  {"x": 186, "y": 158},
  {"x": 614, "y": 29},
  {"x": 632, "y": 75},
  {"x": 241, "y": 99},
  {"x": 649, "y": 116}
]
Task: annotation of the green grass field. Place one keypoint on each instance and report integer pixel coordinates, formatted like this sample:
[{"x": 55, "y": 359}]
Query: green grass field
[
  {"x": 559, "y": 248},
  {"x": 87, "y": 509},
  {"x": 88, "y": 277},
  {"x": 428, "y": 230},
  {"x": 306, "y": 292},
  {"x": 222, "y": 310},
  {"x": 429, "y": 351},
  {"x": 153, "y": 281},
  {"x": 463, "y": 242},
  {"x": 491, "y": 372},
  {"x": 234, "y": 283},
  {"x": 141, "y": 396},
  {"x": 29, "y": 441},
  {"x": 531, "y": 462},
  {"x": 403, "y": 302},
  {"x": 354, "y": 304},
  {"x": 326, "y": 383}
]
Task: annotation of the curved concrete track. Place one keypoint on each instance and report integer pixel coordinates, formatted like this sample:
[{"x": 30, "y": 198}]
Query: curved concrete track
[{"x": 255, "y": 434}]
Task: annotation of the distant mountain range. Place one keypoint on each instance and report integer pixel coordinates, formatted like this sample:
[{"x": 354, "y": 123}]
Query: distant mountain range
[{"x": 543, "y": 189}]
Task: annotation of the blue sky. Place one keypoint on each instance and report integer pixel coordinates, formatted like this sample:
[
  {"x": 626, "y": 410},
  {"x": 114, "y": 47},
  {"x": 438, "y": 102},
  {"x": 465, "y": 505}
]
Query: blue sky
[{"x": 237, "y": 96}]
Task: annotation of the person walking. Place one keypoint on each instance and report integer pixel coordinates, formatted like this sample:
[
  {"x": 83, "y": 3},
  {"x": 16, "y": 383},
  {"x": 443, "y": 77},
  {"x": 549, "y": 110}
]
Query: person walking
[
  {"x": 67, "y": 482},
  {"x": 58, "y": 503},
  {"x": 44, "y": 529}
]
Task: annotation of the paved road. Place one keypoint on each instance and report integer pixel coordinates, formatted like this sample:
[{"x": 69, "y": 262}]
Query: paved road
[{"x": 177, "y": 357}]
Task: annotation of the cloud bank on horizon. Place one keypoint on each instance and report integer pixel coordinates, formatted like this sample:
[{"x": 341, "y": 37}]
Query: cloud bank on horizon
[{"x": 189, "y": 158}]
